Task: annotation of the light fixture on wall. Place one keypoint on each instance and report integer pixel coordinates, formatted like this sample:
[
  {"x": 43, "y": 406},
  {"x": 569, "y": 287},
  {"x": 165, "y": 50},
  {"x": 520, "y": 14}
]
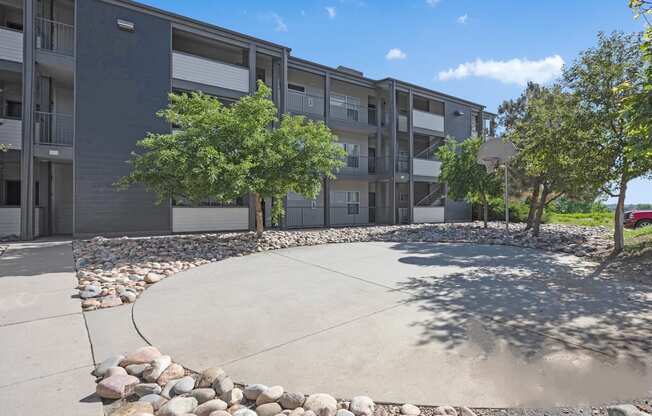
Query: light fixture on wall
[
  {"x": 126, "y": 25},
  {"x": 459, "y": 113}
]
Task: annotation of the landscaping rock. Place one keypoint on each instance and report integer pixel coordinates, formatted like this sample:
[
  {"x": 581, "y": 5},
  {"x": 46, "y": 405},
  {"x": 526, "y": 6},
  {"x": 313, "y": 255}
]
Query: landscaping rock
[
  {"x": 343, "y": 412},
  {"x": 173, "y": 372},
  {"x": 136, "y": 369},
  {"x": 116, "y": 387},
  {"x": 362, "y": 406},
  {"x": 445, "y": 411},
  {"x": 410, "y": 410},
  {"x": 268, "y": 409},
  {"x": 205, "y": 409},
  {"x": 244, "y": 412},
  {"x": 134, "y": 409},
  {"x": 270, "y": 395},
  {"x": 222, "y": 385},
  {"x": 143, "y": 355},
  {"x": 209, "y": 376},
  {"x": 203, "y": 394},
  {"x": 291, "y": 400},
  {"x": 299, "y": 411},
  {"x": 252, "y": 391},
  {"x": 465, "y": 411},
  {"x": 115, "y": 371},
  {"x": 112, "y": 361},
  {"x": 178, "y": 406},
  {"x": 222, "y": 413},
  {"x": 155, "y": 400},
  {"x": 143, "y": 389},
  {"x": 625, "y": 410},
  {"x": 321, "y": 404},
  {"x": 234, "y": 396},
  {"x": 184, "y": 385}
]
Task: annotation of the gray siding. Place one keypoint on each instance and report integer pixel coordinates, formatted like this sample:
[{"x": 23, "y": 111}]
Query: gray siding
[
  {"x": 122, "y": 79},
  {"x": 458, "y": 127}
]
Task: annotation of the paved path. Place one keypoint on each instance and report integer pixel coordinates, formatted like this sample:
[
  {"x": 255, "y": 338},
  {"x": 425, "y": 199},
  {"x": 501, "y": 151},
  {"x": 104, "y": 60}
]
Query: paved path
[
  {"x": 419, "y": 322},
  {"x": 44, "y": 347}
]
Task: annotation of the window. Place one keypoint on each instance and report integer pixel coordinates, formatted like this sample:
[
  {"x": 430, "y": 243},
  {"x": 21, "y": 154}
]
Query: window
[
  {"x": 486, "y": 126},
  {"x": 474, "y": 125},
  {"x": 260, "y": 74},
  {"x": 353, "y": 203},
  {"x": 14, "y": 109},
  {"x": 420, "y": 104},
  {"x": 296, "y": 88},
  {"x": 352, "y": 154},
  {"x": 12, "y": 193},
  {"x": 437, "y": 107}
]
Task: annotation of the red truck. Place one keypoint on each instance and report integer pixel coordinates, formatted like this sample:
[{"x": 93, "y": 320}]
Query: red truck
[{"x": 637, "y": 219}]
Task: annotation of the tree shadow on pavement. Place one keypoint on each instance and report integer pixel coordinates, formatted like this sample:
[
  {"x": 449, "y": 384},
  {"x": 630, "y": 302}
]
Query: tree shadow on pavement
[{"x": 513, "y": 293}]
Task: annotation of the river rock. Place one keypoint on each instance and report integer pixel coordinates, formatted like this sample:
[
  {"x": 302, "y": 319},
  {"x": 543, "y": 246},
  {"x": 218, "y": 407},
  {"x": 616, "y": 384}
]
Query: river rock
[
  {"x": 362, "y": 406},
  {"x": 178, "y": 406},
  {"x": 321, "y": 404},
  {"x": 116, "y": 387}
]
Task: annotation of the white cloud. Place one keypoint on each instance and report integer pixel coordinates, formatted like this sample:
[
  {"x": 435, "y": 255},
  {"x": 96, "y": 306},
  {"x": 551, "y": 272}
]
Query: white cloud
[
  {"x": 514, "y": 71},
  {"x": 432, "y": 3},
  {"x": 331, "y": 11},
  {"x": 462, "y": 19},
  {"x": 395, "y": 54},
  {"x": 280, "y": 24}
]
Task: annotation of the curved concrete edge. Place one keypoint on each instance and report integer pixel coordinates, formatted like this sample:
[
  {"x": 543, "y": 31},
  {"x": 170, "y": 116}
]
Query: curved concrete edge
[
  {"x": 442, "y": 241},
  {"x": 563, "y": 410}
]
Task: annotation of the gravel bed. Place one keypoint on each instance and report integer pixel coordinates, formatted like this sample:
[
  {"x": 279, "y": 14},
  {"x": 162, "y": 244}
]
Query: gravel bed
[
  {"x": 114, "y": 271},
  {"x": 146, "y": 382}
]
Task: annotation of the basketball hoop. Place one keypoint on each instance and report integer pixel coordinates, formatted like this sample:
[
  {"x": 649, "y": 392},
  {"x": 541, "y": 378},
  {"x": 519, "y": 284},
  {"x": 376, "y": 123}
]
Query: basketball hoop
[{"x": 493, "y": 153}]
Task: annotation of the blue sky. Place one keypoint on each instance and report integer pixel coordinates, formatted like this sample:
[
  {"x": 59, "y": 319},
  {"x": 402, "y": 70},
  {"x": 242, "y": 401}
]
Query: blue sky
[{"x": 482, "y": 51}]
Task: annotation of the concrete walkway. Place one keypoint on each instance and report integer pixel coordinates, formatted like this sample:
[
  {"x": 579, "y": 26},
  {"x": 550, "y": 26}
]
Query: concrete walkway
[
  {"x": 44, "y": 345},
  {"x": 420, "y": 322}
]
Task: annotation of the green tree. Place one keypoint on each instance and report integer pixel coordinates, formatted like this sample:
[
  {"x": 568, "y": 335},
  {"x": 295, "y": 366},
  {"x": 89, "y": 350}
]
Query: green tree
[
  {"x": 554, "y": 151},
  {"x": 466, "y": 178},
  {"x": 612, "y": 82},
  {"x": 221, "y": 152}
]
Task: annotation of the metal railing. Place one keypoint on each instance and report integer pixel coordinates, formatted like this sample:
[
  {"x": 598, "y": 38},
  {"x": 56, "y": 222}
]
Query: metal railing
[
  {"x": 55, "y": 36},
  {"x": 346, "y": 112},
  {"x": 346, "y": 215},
  {"x": 365, "y": 165},
  {"x": 307, "y": 104},
  {"x": 51, "y": 128},
  {"x": 436, "y": 198},
  {"x": 429, "y": 153}
]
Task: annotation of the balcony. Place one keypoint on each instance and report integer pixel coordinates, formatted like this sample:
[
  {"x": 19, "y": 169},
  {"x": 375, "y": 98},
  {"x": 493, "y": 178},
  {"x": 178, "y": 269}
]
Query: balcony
[
  {"x": 56, "y": 37},
  {"x": 305, "y": 104},
  {"x": 427, "y": 121},
  {"x": 205, "y": 71},
  {"x": 425, "y": 167},
  {"x": 53, "y": 129},
  {"x": 11, "y": 45},
  {"x": 348, "y": 112},
  {"x": 11, "y": 132}
]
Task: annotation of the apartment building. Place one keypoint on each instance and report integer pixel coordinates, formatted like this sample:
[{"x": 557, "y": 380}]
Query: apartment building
[{"x": 81, "y": 81}]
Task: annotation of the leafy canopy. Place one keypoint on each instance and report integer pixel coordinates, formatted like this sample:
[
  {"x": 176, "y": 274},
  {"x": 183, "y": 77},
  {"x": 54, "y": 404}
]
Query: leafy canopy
[
  {"x": 466, "y": 178},
  {"x": 223, "y": 152}
]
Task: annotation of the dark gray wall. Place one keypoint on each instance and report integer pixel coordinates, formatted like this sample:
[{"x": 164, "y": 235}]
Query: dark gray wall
[
  {"x": 122, "y": 79},
  {"x": 458, "y": 127}
]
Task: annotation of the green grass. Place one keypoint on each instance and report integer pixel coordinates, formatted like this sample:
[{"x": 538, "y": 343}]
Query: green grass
[
  {"x": 593, "y": 219},
  {"x": 635, "y": 240}
]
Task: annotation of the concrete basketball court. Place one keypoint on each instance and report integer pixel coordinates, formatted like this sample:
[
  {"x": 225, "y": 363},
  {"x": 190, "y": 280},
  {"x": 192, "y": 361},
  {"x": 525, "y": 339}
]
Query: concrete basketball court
[{"x": 427, "y": 323}]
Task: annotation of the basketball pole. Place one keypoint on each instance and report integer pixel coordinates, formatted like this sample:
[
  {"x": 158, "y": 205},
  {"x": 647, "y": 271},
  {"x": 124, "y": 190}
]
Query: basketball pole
[{"x": 506, "y": 197}]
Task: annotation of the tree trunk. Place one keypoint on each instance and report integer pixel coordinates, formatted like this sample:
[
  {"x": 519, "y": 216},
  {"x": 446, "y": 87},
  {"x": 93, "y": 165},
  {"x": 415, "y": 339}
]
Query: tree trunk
[
  {"x": 260, "y": 224},
  {"x": 485, "y": 210},
  {"x": 536, "y": 225},
  {"x": 619, "y": 218},
  {"x": 533, "y": 204}
]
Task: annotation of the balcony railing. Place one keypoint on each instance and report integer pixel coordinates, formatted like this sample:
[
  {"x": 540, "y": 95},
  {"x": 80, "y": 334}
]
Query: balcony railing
[
  {"x": 11, "y": 45},
  {"x": 307, "y": 104},
  {"x": 210, "y": 72},
  {"x": 11, "y": 132},
  {"x": 345, "y": 215},
  {"x": 347, "y": 112},
  {"x": 365, "y": 165},
  {"x": 55, "y": 36},
  {"x": 55, "y": 129}
]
